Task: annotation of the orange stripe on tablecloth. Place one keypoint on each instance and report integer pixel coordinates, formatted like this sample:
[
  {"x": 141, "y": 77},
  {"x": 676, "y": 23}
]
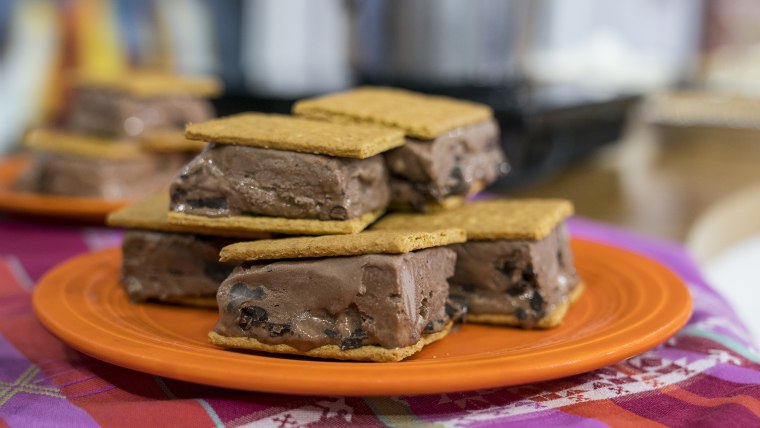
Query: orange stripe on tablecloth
[
  {"x": 610, "y": 413},
  {"x": 750, "y": 403},
  {"x": 3, "y": 424}
]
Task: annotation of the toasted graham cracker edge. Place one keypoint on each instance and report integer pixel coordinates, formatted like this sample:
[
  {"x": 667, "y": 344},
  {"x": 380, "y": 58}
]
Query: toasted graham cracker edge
[
  {"x": 81, "y": 145},
  {"x": 304, "y": 136},
  {"x": 169, "y": 141},
  {"x": 146, "y": 84},
  {"x": 478, "y": 218},
  {"x": 287, "y": 226},
  {"x": 421, "y": 126},
  {"x": 152, "y": 214},
  {"x": 552, "y": 320},
  {"x": 365, "y": 353},
  {"x": 367, "y": 242}
]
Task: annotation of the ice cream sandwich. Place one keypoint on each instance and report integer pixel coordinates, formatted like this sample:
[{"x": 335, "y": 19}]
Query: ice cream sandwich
[
  {"x": 371, "y": 296},
  {"x": 452, "y": 147},
  {"x": 516, "y": 267},
  {"x": 284, "y": 174}
]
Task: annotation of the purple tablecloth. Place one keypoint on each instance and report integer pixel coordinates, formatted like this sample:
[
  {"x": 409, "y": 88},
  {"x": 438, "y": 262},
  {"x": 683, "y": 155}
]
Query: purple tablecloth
[{"x": 707, "y": 375}]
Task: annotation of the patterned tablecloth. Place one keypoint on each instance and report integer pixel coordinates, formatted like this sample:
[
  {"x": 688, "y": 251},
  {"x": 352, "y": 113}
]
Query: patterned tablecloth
[{"x": 707, "y": 375}]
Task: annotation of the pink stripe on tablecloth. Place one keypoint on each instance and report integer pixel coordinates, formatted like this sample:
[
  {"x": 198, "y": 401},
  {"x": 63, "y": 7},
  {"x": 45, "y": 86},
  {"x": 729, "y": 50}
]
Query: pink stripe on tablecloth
[{"x": 39, "y": 246}]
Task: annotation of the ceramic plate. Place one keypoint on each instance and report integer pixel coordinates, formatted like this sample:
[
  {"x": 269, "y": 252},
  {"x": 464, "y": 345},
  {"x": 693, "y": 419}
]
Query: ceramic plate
[{"x": 630, "y": 305}]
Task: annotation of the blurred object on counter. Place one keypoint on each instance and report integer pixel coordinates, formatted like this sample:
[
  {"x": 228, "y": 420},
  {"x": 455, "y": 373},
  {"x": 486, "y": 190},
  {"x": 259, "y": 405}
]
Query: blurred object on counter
[
  {"x": 731, "y": 62},
  {"x": 295, "y": 48},
  {"x": 704, "y": 109},
  {"x": 625, "y": 45},
  {"x": 28, "y": 53}
]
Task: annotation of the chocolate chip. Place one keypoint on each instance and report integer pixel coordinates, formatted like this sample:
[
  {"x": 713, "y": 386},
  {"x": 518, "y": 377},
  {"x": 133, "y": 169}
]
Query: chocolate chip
[
  {"x": 459, "y": 184},
  {"x": 468, "y": 288},
  {"x": 560, "y": 258},
  {"x": 528, "y": 274},
  {"x": 359, "y": 334},
  {"x": 215, "y": 270},
  {"x": 277, "y": 330},
  {"x": 257, "y": 293},
  {"x": 338, "y": 212},
  {"x": 178, "y": 194},
  {"x": 429, "y": 327},
  {"x": 517, "y": 289},
  {"x": 331, "y": 333},
  {"x": 508, "y": 266},
  {"x": 250, "y": 316},
  {"x": 350, "y": 343},
  {"x": 521, "y": 314},
  {"x": 215, "y": 203},
  {"x": 537, "y": 302}
]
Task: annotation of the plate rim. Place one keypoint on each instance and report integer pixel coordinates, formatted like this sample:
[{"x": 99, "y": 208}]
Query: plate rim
[{"x": 413, "y": 383}]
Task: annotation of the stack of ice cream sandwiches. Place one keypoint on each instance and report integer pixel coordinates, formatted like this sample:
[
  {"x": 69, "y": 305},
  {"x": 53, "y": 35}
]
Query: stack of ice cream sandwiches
[
  {"x": 355, "y": 283},
  {"x": 121, "y": 138}
]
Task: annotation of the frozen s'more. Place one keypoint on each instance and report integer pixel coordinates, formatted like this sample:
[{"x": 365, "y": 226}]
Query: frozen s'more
[
  {"x": 283, "y": 174},
  {"x": 516, "y": 267},
  {"x": 452, "y": 146},
  {"x": 171, "y": 263},
  {"x": 371, "y": 296},
  {"x": 131, "y": 103},
  {"x": 71, "y": 164}
]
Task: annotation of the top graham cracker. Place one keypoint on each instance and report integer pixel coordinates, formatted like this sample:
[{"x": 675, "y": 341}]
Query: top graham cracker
[
  {"x": 368, "y": 242},
  {"x": 419, "y": 116},
  {"x": 59, "y": 141},
  {"x": 148, "y": 84},
  {"x": 152, "y": 214},
  {"x": 528, "y": 219},
  {"x": 274, "y": 131}
]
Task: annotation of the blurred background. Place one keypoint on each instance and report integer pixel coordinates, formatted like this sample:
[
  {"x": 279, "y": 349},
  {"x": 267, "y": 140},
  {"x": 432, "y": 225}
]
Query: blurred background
[{"x": 645, "y": 113}]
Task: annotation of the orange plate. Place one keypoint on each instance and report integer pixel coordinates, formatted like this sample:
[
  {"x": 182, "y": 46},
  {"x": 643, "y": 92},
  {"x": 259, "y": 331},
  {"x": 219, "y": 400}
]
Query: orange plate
[
  {"x": 70, "y": 208},
  {"x": 630, "y": 305}
]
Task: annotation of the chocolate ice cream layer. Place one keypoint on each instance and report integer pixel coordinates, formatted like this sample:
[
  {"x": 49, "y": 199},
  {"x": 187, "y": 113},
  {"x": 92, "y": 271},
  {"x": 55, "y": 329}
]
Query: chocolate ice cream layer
[
  {"x": 377, "y": 299},
  {"x": 172, "y": 266},
  {"x": 526, "y": 278},
  {"x": 72, "y": 175},
  {"x": 114, "y": 113},
  {"x": 227, "y": 180},
  {"x": 456, "y": 163}
]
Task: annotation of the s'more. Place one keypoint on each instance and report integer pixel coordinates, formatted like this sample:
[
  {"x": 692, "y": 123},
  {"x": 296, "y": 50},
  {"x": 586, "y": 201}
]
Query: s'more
[
  {"x": 516, "y": 267},
  {"x": 126, "y": 105},
  {"x": 170, "y": 263},
  {"x": 283, "y": 174},
  {"x": 452, "y": 146},
  {"x": 372, "y": 296}
]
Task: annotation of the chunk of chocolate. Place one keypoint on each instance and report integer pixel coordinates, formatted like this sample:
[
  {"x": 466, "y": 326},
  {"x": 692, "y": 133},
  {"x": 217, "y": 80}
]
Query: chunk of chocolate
[
  {"x": 173, "y": 267},
  {"x": 528, "y": 279},
  {"x": 73, "y": 175},
  {"x": 115, "y": 113},
  {"x": 227, "y": 180},
  {"x": 377, "y": 299},
  {"x": 457, "y": 163}
]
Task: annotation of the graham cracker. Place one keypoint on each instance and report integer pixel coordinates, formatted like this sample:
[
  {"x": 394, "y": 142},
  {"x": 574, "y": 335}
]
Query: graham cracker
[
  {"x": 365, "y": 353},
  {"x": 274, "y": 131},
  {"x": 149, "y": 84},
  {"x": 169, "y": 141},
  {"x": 287, "y": 226},
  {"x": 368, "y": 242},
  {"x": 419, "y": 116},
  {"x": 553, "y": 319},
  {"x": 152, "y": 214},
  {"x": 55, "y": 141},
  {"x": 530, "y": 219}
]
